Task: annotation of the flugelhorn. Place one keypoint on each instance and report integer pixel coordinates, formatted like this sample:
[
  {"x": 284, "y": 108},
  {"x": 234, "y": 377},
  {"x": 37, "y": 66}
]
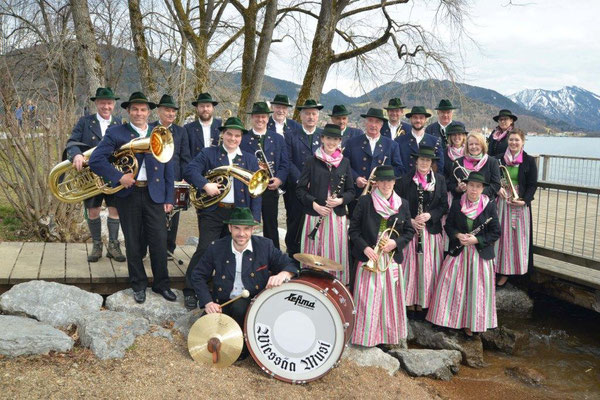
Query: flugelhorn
[
  {"x": 386, "y": 235},
  {"x": 465, "y": 172},
  {"x": 266, "y": 165},
  {"x": 72, "y": 186},
  {"x": 507, "y": 184},
  {"x": 369, "y": 185}
]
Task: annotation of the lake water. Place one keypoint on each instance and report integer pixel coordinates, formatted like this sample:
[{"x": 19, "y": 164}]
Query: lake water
[{"x": 563, "y": 146}]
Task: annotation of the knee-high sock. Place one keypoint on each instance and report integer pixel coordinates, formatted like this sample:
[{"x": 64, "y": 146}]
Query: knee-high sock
[
  {"x": 113, "y": 228},
  {"x": 95, "y": 229}
]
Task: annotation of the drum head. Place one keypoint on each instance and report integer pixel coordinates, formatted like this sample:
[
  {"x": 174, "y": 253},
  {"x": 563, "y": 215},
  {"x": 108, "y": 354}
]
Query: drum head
[{"x": 294, "y": 332}]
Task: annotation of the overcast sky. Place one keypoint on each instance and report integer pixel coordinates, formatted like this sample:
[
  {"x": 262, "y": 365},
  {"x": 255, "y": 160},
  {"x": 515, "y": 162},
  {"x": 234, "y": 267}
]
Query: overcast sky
[{"x": 545, "y": 44}]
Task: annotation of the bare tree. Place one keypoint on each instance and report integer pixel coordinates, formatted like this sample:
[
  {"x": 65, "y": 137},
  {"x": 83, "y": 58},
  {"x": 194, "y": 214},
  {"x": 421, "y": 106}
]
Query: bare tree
[{"x": 141, "y": 50}]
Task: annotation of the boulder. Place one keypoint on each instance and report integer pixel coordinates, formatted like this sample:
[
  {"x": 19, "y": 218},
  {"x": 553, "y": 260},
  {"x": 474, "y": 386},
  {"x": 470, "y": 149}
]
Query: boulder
[
  {"x": 503, "y": 339},
  {"x": 155, "y": 309},
  {"x": 514, "y": 301},
  {"x": 528, "y": 376},
  {"x": 438, "y": 364},
  {"x": 388, "y": 347},
  {"x": 109, "y": 333},
  {"x": 426, "y": 336},
  {"x": 371, "y": 357},
  {"x": 159, "y": 331},
  {"x": 50, "y": 302},
  {"x": 21, "y": 336},
  {"x": 184, "y": 323}
]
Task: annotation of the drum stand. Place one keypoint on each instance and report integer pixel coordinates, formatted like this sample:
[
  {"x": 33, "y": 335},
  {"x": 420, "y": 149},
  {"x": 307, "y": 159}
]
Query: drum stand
[{"x": 170, "y": 215}]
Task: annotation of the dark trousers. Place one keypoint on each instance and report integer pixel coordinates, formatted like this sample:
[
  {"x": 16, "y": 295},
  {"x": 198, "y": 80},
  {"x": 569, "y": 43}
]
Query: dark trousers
[
  {"x": 237, "y": 310},
  {"x": 210, "y": 228},
  {"x": 270, "y": 209},
  {"x": 172, "y": 233},
  {"x": 144, "y": 221},
  {"x": 294, "y": 218}
]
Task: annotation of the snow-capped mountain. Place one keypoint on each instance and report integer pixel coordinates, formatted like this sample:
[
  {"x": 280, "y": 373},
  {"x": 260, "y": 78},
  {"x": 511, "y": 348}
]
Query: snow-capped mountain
[{"x": 572, "y": 104}]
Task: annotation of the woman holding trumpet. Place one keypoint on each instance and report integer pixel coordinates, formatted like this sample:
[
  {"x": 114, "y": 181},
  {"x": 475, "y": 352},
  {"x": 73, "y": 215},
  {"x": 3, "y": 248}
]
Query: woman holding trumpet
[
  {"x": 380, "y": 228},
  {"x": 427, "y": 197},
  {"x": 464, "y": 295},
  {"x": 519, "y": 171},
  {"x": 324, "y": 189}
]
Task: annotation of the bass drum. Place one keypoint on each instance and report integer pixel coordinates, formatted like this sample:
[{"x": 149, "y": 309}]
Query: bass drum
[{"x": 297, "y": 332}]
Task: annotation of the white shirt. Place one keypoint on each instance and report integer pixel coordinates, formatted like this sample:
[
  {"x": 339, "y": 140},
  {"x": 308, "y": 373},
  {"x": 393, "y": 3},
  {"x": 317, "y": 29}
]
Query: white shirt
[
  {"x": 238, "y": 285},
  {"x": 419, "y": 138},
  {"x": 443, "y": 127},
  {"x": 373, "y": 142},
  {"x": 230, "y": 198},
  {"x": 394, "y": 128},
  {"x": 104, "y": 123},
  {"x": 142, "y": 172},
  {"x": 279, "y": 126},
  {"x": 206, "y": 132}
]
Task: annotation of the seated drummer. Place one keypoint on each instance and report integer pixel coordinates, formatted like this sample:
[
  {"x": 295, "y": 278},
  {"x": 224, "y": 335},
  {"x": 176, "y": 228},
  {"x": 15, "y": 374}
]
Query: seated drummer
[{"x": 240, "y": 261}]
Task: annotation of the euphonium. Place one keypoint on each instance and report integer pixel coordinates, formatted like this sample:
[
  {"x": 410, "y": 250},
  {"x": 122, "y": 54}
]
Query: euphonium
[
  {"x": 72, "y": 186},
  {"x": 386, "y": 235},
  {"x": 507, "y": 184},
  {"x": 257, "y": 183}
]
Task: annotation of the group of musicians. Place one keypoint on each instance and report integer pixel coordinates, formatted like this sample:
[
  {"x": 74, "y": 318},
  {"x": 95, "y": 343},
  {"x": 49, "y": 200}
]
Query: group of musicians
[{"x": 421, "y": 217}]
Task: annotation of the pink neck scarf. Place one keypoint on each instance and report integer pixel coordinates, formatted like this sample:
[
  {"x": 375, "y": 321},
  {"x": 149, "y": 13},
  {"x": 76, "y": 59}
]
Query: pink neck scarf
[
  {"x": 475, "y": 163},
  {"x": 384, "y": 207},
  {"x": 335, "y": 159},
  {"x": 499, "y": 134},
  {"x": 473, "y": 209},
  {"x": 422, "y": 179},
  {"x": 511, "y": 160},
  {"x": 456, "y": 153}
]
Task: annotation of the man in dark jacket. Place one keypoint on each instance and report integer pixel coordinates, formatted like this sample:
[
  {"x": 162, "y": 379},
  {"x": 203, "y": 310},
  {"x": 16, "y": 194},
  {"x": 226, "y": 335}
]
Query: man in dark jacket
[
  {"x": 394, "y": 126},
  {"x": 339, "y": 116},
  {"x": 279, "y": 121},
  {"x": 204, "y": 132},
  {"x": 445, "y": 112}
]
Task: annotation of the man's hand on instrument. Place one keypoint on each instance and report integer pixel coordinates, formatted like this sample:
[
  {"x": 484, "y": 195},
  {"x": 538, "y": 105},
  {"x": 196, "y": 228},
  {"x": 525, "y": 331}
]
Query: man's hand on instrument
[
  {"x": 462, "y": 187},
  {"x": 127, "y": 180},
  {"x": 277, "y": 280},
  {"x": 422, "y": 218},
  {"x": 361, "y": 182},
  {"x": 502, "y": 193},
  {"x": 333, "y": 202},
  {"x": 390, "y": 245},
  {"x": 370, "y": 253},
  {"x": 212, "y": 189},
  {"x": 274, "y": 183},
  {"x": 321, "y": 210},
  {"x": 212, "y": 308},
  {"x": 168, "y": 207},
  {"x": 78, "y": 162}
]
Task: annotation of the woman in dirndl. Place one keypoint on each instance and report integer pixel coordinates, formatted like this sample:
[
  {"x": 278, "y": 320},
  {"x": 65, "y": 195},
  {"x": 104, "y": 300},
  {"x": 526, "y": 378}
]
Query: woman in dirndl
[
  {"x": 498, "y": 140},
  {"x": 465, "y": 295},
  {"x": 324, "y": 189},
  {"x": 427, "y": 197},
  {"x": 513, "y": 250},
  {"x": 457, "y": 139},
  {"x": 379, "y": 288}
]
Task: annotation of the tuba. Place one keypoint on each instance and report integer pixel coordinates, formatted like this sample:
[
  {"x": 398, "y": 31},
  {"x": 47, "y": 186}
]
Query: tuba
[
  {"x": 72, "y": 186},
  {"x": 374, "y": 266},
  {"x": 507, "y": 184},
  {"x": 257, "y": 183}
]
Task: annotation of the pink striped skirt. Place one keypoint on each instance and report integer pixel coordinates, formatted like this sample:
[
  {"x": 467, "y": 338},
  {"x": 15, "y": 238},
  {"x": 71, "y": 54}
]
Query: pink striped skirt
[{"x": 512, "y": 249}]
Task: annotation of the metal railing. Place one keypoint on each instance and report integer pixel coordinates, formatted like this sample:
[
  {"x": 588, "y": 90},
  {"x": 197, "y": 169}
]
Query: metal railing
[{"x": 569, "y": 170}]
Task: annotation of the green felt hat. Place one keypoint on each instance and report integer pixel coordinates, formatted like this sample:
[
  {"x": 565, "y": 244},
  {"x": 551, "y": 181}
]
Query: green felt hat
[
  {"x": 167, "y": 101},
  {"x": 375, "y": 113},
  {"x": 505, "y": 113},
  {"x": 233, "y": 123},
  {"x": 394, "y": 104},
  {"x": 445, "y": 105},
  {"x": 455, "y": 128},
  {"x": 426, "y": 152},
  {"x": 385, "y": 173},
  {"x": 332, "y": 130},
  {"x": 241, "y": 216},
  {"x": 310, "y": 103},
  {"x": 138, "y": 98},
  {"x": 260, "y": 107},
  {"x": 418, "y": 110},
  {"x": 204, "y": 98},
  {"x": 281, "y": 99},
  {"x": 339, "y": 110},
  {"x": 476, "y": 177},
  {"x": 104, "y": 94}
]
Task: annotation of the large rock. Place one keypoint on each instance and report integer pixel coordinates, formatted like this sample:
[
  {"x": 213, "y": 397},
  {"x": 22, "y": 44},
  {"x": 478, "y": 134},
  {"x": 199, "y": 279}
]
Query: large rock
[
  {"x": 108, "y": 333},
  {"x": 372, "y": 357},
  {"x": 438, "y": 364},
  {"x": 184, "y": 323},
  {"x": 514, "y": 301},
  {"x": 528, "y": 376},
  {"x": 471, "y": 349},
  {"x": 54, "y": 303},
  {"x": 155, "y": 309},
  {"x": 503, "y": 339},
  {"x": 25, "y": 336}
]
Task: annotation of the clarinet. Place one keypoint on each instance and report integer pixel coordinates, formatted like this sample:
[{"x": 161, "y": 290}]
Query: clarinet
[
  {"x": 420, "y": 211},
  {"x": 474, "y": 232},
  {"x": 335, "y": 193}
]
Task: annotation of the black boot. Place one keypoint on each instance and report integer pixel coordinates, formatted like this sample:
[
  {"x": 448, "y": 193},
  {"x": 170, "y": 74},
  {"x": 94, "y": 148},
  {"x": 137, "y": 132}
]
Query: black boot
[{"x": 96, "y": 253}]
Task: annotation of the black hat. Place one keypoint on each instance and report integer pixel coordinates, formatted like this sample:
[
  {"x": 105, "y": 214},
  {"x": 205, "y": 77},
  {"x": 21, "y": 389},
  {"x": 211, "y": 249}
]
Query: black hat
[
  {"x": 418, "y": 110},
  {"x": 455, "y": 128},
  {"x": 385, "y": 173},
  {"x": 476, "y": 177},
  {"x": 260, "y": 107},
  {"x": 332, "y": 130},
  {"x": 445, "y": 105},
  {"x": 204, "y": 98},
  {"x": 339, "y": 110},
  {"x": 309, "y": 103},
  {"x": 426, "y": 152},
  {"x": 138, "y": 98},
  {"x": 281, "y": 99},
  {"x": 395, "y": 104},
  {"x": 241, "y": 216},
  {"x": 505, "y": 113},
  {"x": 233, "y": 123},
  {"x": 104, "y": 94},
  {"x": 375, "y": 113},
  {"x": 167, "y": 101}
]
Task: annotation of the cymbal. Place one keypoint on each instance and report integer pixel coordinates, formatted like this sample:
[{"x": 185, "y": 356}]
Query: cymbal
[
  {"x": 318, "y": 262},
  {"x": 217, "y": 328}
]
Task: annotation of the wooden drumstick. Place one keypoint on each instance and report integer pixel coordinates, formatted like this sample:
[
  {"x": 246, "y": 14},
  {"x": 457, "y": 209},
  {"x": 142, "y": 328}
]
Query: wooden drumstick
[{"x": 245, "y": 294}]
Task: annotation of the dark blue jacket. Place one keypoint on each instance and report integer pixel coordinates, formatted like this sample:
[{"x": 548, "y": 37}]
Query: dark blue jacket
[
  {"x": 87, "y": 130},
  {"x": 385, "y": 129},
  {"x": 212, "y": 157},
  {"x": 300, "y": 147},
  {"x": 289, "y": 126},
  {"x": 274, "y": 148},
  {"x": 349, "y": 133},
  {"x": 160, "y": 176},
  {"x": 435, "y": 129},
  {"x": 257, "y": 266},
  {"x": 362, "y": 161},
  {"x": 181, "y": 155},
  {"x": 408, "y": 145},
  {"x": 196, "y": 136}
]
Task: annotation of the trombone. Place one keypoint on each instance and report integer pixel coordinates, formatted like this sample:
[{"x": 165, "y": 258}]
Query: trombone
[{"x": 263, "y": 163}]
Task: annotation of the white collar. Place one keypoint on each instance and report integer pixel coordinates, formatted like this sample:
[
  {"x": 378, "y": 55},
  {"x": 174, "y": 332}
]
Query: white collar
[
  {"x": 248, "y": 247},
  {"x": 259, "y": 134},
  {"x": 160, "y": 123},
  {"x": 418, "y": 136},
  {"x": 307, "y": 132},
  {"x": 445, "y": 126},
  {"x": 372, "y": 139},
  {"x": 236, "y": 152},
  {"x": 100, "y": 119},
  {"x": 141, "y": 132},
  {"x": 209, "y": 123},
  {"x": 398, "y": 124}
]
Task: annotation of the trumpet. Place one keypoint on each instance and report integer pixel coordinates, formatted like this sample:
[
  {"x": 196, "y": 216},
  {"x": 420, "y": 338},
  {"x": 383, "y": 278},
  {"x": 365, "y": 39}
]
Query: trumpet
[
  {"x": 507, "y": 184},
  {"x": 386, "y": 235},
  {"x": 465, "y": 172},
  {"x": 369, "y": 185},
  {"x": 263, "y": 163}
]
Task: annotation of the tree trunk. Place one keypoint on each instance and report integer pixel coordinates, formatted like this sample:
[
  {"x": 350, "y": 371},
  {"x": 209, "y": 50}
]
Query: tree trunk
[
  {"x": 249, "y": 15},
  {"x": 141, "y": 50}
]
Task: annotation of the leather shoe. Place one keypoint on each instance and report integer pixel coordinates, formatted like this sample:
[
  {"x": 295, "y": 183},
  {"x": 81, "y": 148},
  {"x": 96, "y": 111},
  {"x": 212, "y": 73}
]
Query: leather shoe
[
  {"x": 191, "y": 303},
  {"x": 140, "y": 296},
  {"x": 166, "y": 293}
]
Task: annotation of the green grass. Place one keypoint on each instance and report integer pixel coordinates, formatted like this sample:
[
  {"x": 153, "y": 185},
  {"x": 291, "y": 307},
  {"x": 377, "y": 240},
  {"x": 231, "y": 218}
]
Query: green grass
[{"x": 10, "y": 225}]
